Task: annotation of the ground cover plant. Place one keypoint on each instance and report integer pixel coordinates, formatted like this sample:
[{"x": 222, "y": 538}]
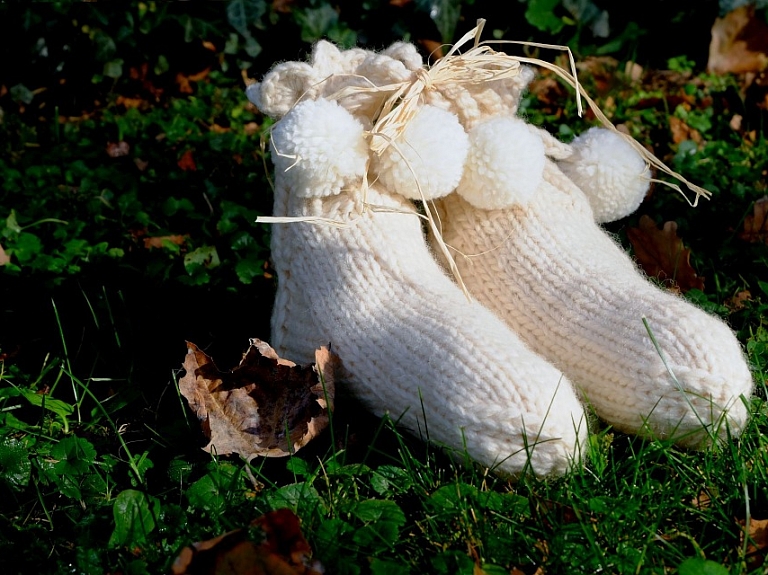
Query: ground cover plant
[{"x": 131, "y": 174}]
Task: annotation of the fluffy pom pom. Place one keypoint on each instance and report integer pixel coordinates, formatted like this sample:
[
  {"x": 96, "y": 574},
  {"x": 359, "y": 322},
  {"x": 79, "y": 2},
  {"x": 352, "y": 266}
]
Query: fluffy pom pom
[
  {"x": 320, "y": 146},
  {"x": 504, "y": 166},
  {"x": 611, "y": 173},
  {"x": 429, "y": 154}
]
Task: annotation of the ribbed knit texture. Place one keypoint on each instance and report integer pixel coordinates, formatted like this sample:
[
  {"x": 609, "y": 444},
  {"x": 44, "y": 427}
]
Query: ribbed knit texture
[
  {"x": 414, "y": 346},
  {"x": 577, "y": 299}
]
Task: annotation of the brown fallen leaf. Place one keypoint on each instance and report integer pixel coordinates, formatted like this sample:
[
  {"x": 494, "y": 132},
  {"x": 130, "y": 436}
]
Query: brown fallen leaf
[
  {"x": 187, "y": 162},
  {"x": 661, "y": 254},
  {"x": 266, "y": 406},
  {"x": 756, "y": 224},
  {"x": 682, "y": 131},
  {"x": 184, "y": 82},
  {"x": 131, "y": 102},
  {"x": 273, "y": 544},
  {"x": 739, "y": 43},
  {"x": 739, "y": 300},
  {"x": 159, "y": 241},
  {"x": 118, "y": 149},
  {"x": 757, "y": 545},
  {"x": 4, "y": 258},
  {"x": 282, "y": 6}
]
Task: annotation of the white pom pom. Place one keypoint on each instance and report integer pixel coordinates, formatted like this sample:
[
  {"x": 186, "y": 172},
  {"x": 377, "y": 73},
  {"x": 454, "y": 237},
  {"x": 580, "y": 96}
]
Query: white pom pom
[
  {"x": 611, "y": 173},
  {"x": 504, "y": 166},
  {"x": 428, "y": 155},
  {"x": 320, "y": 146}
]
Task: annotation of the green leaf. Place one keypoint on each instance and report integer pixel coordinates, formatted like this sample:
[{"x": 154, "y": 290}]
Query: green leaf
[
  {"x": 453, "y": 497},
  {"x": 113, "y": 69},
  {"x": 105, "y": 46},
  {"x": 74, "y": 456},
  {"x": 162, "y": 65},
  {"x": 453, "y": 563},
  {"x": 540, "y": 13},
  {"x": 60, "y": 408},
  {"x": 15, "y": 467},
  {"x": 383, "y": 520},
  {"x": 21, "y": 94},
  {"x": 331, "y": 535},
  {"x": 301, "y": 498},
  {"x": 391, "y": 480},
  {"x": 387, "y": 567},
  {"x": 211, "y": 492},
  {"x": 699, "y": 566},
  {"x": 444, "y": 13},
  {"x": 68, "y": 487},
  {"x": 298, "y": 467},
  {"x": 179, "y": 470},
  {"x": 243, "y": 13},
  {"x": 142, "y": 463},
  {"x": 248, "y": 270},
  {"x": 205, "y": 256},
  {"x": 316, "y": 22},
  {"x": 134, "y": 514},
  {"x": 11, "y": 224}
]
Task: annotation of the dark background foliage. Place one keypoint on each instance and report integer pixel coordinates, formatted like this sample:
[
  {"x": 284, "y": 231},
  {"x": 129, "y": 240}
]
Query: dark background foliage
[{"x": 131, "y": 175}]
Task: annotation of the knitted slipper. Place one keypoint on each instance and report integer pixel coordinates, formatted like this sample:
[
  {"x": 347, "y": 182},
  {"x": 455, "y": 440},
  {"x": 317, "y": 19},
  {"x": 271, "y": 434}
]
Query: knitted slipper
[
  {"x": 354, "y": 269},
  {"x": 533, "y": 254}
]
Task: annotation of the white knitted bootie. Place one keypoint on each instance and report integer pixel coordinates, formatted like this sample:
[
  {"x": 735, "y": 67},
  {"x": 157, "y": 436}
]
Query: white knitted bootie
[
  {"x": 532, "y": 252},
  {"x": 354, "y": 270}
]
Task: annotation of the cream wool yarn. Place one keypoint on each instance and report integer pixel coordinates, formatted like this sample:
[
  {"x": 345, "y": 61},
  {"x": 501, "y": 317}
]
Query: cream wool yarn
[
  {"x": 612, "y": 175},
  {"x": 576, "y": 298},
  {"x": 362, "y": 277}
]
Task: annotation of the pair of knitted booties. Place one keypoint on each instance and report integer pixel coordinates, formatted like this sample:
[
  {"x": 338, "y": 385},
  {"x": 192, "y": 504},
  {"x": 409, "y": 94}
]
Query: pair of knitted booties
[{"x": 558, "y": 316}]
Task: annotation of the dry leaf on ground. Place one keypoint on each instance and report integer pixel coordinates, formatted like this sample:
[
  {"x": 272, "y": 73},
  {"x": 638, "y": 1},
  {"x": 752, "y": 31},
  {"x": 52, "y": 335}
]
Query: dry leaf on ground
[
  {"x": 185, "y": 87},
  {"x": 661, "y": 254},
  {"x": 4, "y": 258},
  {"x": 739, "y": 300},
  {"x": 118, "y": 149},
  {"x": 682, "y": 131},
  {"x": 160, "y": 241},
  {"x": 187, "y": 162},
  {"x": 757, "y": 546},
  {"x": 739, "y": 43},
  {"x": 272, "y": 545},
  {"x": 266, "y": 406},
  {"x": 756, "y": 223}
]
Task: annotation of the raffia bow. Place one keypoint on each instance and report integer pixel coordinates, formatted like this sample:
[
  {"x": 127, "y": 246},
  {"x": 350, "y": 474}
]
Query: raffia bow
[{"x": 478, "y": 64}]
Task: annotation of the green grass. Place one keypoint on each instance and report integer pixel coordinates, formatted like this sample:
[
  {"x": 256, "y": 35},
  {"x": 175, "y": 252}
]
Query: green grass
[{"x": 100, "y": 462}]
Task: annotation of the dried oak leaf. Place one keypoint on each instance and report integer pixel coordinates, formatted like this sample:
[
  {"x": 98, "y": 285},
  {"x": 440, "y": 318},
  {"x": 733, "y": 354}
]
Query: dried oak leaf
[
  {"x": 266, "y": 406},
  {"x": 757, "y": 544},
  {"x": 756, "y": 224},
  {"x": 272, "y": 545},
  {"x": 739, "y": 43},
  {"x": 661, "y": 254}
]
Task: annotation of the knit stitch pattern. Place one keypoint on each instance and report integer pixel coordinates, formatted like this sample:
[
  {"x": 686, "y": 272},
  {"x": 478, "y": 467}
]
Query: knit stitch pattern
[
  {"x": 415, "y": 347},
  {"x": 577, "y": 299}
]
